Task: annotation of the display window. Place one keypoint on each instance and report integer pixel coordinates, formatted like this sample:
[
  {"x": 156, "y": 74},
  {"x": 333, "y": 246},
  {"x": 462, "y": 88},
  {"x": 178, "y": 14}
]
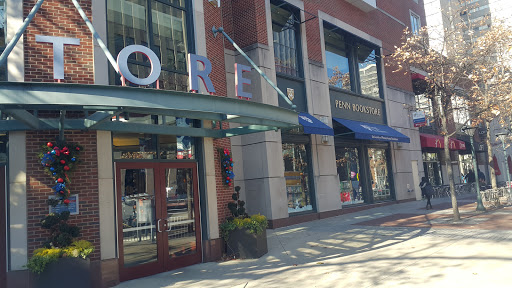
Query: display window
[
  {"x": 150, "y": 146},
  {"x": 432, "y": 168},
  {"x": 347, "y": 165},
  {"x": 3, "y": 148},
  {"x": 379, "y": 174},
  {"x": 295, "y": 157}
]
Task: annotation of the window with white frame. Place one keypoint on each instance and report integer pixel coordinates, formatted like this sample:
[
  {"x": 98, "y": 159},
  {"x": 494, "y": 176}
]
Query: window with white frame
[{"x": 415, "y": 23}]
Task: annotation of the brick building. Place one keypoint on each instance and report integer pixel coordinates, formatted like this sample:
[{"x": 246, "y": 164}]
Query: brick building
[{"x": 150, "y": 174}]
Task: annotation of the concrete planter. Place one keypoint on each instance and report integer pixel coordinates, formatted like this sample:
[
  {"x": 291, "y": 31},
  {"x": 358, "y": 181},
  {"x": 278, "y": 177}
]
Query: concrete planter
[
  {"x": 65, "y": 273},
  {"x": 246, "y": 245}
]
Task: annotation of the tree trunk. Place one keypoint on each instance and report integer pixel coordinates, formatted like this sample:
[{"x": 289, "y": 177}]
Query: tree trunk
[
  {"x": 492, "y": 173},
  {"x": 448, "y": 162}
]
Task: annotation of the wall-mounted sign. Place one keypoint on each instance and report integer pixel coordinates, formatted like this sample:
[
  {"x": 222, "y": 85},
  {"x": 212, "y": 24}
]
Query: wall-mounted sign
[
  {"x": 72, "y": 207},
  {"x": 290, "y": 93},
  {"x": 352, "y": 107},
  {"x": 194, "y": 72},
  {"x": 418, "y": 118}
]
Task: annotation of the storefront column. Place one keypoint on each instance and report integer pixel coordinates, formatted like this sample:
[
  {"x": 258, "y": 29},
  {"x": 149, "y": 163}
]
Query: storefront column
[
  {"x": 18, "y": 200},
  {"x": 327, "y": 183}
]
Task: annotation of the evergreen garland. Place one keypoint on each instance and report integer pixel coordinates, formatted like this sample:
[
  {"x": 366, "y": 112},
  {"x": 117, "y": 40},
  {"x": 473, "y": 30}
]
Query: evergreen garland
[
  {"x": 227, "y": 167},
  {"x": 59, "y": 160}
]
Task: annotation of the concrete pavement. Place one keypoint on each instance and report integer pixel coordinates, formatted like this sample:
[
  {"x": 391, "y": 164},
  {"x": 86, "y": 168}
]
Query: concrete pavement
[{"x": 400, "y": 245}]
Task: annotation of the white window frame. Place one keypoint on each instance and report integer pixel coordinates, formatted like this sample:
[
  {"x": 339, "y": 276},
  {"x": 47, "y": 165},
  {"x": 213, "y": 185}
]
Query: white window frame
[{"x": 414, "y": 16}]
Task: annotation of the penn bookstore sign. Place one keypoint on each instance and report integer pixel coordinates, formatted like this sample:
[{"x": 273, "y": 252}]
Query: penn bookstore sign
[{"x": 194, "y": 62}]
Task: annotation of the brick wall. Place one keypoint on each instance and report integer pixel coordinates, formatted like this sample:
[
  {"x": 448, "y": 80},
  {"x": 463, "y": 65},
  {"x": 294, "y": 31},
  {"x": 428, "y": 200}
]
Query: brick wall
[
  {"x": 84, "y": 183},
  {"x": 215, "y": 53},
  {"x": 58, "y": 18}
]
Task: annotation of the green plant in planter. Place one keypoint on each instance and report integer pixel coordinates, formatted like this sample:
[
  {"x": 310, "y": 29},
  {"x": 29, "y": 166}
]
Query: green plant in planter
[
  {"x": 239, "y": 219},
  {"x": 60, "y": 244}
]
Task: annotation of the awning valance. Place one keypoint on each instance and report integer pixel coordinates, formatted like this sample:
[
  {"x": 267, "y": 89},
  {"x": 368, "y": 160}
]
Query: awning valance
[
  {"x": 370, "y": 131},
  {"x": 436, "y": 141},
  {"x": 314, "y": 126}
]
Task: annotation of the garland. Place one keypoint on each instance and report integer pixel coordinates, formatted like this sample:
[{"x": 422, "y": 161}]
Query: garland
[
  {"x": 57, "y": 163},
  {"x": 227, "y": 167}
]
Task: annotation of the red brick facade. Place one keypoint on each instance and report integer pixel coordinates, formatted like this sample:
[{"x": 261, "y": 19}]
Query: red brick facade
[
  {"x": 59, "y": 18},
  {"x": 84, "y": 182}
]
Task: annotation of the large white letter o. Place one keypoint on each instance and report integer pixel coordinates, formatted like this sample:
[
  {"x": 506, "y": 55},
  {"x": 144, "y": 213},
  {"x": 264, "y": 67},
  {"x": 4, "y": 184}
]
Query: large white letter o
[{"x": 122, "y": 63}]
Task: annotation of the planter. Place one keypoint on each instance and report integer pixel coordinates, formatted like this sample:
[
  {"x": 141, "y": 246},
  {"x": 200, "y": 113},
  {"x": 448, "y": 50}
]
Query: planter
[
  {"x": 246, "y": 245},
  {"x": 65, "y": 273}
]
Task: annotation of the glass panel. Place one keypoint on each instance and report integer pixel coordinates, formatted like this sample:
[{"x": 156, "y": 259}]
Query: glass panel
[
  {"x": 284, "y": 27},
  {"x": 296, "y": 176},
  {"x": 138, "y": 212},
  {"x": 180, "y": 211},
  {"x": 432, "y": 168},
  {"x": 379, "y": 172},
  {"x": 347, "y": 164},
  {"x": 3, "y": 148},
  {"x": 134, "y": 146},
  {"x": 126, "y": 24},
  {"x": 368, "y": 71},
  {"x": 2, "y": 23},
  {"x": 336, "y": 56},
  {"x": 176, "y": 147},
  {"x": 169, "y": 36}
]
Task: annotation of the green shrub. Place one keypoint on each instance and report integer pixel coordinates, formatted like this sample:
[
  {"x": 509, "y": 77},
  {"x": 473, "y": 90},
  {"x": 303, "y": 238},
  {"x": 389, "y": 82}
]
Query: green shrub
[{"x": 44, "y": 256}]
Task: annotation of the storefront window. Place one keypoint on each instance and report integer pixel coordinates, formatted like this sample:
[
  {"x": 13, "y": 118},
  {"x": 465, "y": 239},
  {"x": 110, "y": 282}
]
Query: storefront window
[
  {"x": 3, "y": 28},
  {"x": 352, "y": 63},
  {"x": 285, "y": 28},
  {"x": 347, "y": 164},
  {"x": 432, "y": 168},
  {"x": 128, "y": 23},
  {"x": 465, "y": 166},
  {"x": 3, "y": 148},
  {"x": 379, "y": 174},
  {"x": 149, "y": 146},
  {"x": 296, "y": 176}
]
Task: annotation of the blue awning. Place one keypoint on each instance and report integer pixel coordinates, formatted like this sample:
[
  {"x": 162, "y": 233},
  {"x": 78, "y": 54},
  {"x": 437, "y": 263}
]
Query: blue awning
[
  {"x": 313, "y": 125},
  {"x": 372, "y": 131}
]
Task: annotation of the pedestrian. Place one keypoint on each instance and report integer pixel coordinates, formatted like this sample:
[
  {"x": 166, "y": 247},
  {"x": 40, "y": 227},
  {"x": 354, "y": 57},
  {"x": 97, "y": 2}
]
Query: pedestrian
[{"x": 427, "y": 190}]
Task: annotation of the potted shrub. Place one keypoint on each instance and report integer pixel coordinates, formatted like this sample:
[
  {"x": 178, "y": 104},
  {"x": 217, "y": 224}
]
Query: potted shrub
[
  {"x": 245, "y": 236},
  {"x": 63, "y": 261}
]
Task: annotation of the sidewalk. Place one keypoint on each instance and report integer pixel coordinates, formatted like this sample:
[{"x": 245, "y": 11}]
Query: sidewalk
[{"x": 400, "y": 245}]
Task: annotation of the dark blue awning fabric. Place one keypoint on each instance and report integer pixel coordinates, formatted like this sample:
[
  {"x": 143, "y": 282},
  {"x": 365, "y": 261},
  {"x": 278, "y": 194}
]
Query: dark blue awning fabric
[
  {"x": 313, "y": 125},
  {"x": 372, "y": 131}
]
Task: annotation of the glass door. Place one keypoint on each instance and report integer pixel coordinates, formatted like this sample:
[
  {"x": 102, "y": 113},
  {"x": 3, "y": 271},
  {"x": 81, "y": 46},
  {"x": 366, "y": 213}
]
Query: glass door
[
  {"x": 158, "y": 217},
  {"x": 3, "y": 217},
  {"x": 181, "y": 208},
  {"x": 139, "y": 227}
]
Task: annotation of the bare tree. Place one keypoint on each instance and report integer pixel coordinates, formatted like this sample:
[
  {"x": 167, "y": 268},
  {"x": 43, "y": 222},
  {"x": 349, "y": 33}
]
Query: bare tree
[{"x": 463, "y": 65}]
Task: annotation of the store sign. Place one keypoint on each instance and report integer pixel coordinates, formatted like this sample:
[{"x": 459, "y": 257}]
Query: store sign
[
  {"x": 418, "y": 118},
  {"x": 350, "y": 106},
  {"x": 194, "y": 72},
  {"x": 357, "y": 107}
]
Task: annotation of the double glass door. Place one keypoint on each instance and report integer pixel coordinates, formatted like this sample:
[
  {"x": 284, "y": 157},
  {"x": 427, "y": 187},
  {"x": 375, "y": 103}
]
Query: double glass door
[{"x": 158, "y": 217}]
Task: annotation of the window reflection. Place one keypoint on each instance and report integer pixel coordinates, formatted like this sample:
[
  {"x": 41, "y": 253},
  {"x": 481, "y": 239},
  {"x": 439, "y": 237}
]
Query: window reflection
[
  {"x": 368, "y": 75},
  {"x": 347, "y": 164},
  {"x": 285, "y": 30},
  {"x": 336, "y": 56},
  {"x": 379, "y": 174},
  {"x": 296, "y": 176}
]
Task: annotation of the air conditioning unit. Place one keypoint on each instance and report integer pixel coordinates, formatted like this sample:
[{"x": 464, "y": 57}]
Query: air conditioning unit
[{"x": 365, "y": 5}]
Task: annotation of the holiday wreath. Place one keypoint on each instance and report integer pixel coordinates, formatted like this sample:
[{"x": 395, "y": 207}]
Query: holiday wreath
[
  {"x": 227, "y": 167},
  {"x": 59, "y": 160}
]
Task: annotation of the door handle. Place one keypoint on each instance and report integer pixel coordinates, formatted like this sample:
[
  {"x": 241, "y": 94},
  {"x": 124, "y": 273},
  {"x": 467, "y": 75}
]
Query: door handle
[
  {"x": 158, "y": 225},
  {"x": 168, "y": 226}
]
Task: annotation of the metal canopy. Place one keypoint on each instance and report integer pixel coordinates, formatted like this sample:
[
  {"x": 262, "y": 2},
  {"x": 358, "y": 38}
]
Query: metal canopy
[{"x": 103, "y": 103}]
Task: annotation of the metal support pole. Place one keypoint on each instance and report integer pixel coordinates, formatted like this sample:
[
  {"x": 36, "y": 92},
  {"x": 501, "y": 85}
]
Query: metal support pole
[
  {"x": 221, "y": 30},
  {"x": 61, "y": 125},
  {"x": 505, "y": 165},
  {"x": 479, "y": 204},
  {"x": 20, "y": 32},
  {"x": 96, "y": 36}
]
